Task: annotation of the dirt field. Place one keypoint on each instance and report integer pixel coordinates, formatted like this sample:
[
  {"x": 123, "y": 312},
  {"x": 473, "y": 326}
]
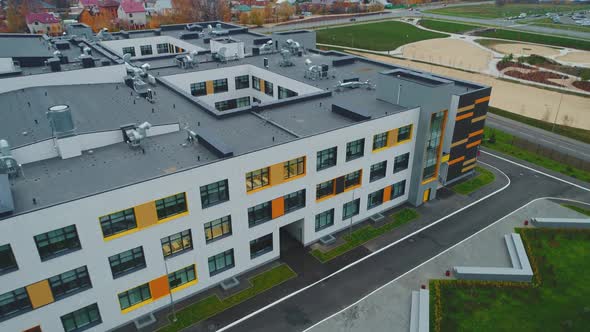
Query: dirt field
[
  {"x": 576, "y": 57},
  {"x": 521, "y": 99},
  {"x": 517, "y": 49},
  {"x": 449, "y": 52}
]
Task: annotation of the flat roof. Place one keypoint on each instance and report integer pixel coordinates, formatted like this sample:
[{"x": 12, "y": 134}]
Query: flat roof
[{"x": 17, "y": 46}]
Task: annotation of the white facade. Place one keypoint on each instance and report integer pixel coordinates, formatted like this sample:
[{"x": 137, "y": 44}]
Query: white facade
[
  {"x": 138, "y": 18},
  {"x": 178, "y": 45}
]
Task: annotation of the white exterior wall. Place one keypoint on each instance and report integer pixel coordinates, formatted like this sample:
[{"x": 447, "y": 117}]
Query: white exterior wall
[
  {"x": 136, "y": 18},
  {"x": 117, "y": 45},
  {"x": 6, "y": 65},
  {"x": 20, "y": 230}
]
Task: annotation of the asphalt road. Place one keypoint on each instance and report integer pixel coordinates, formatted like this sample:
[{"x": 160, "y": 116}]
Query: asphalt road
[{"x": 304, "y": 309}]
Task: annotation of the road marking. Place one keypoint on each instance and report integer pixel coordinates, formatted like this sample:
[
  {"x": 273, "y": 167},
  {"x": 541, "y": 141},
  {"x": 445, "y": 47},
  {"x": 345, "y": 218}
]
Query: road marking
[
  {"x": 436, "y": 256},
  {"x": 368, "y": 256}
]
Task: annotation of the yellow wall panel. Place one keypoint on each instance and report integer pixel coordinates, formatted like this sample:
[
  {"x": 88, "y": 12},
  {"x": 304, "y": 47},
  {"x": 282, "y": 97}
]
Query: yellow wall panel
[
  {"x": 391, "y": 137},
  {"x": 262, "y": 86},
  {"x": 445, "y": 158},
  {"x": 468, "y": 168},
  {"x": 276, "y": 174},
  {"x": 209, "y": 87},
  {"x": 145, "y": 214},
  {"x": 40, "y": 294}
]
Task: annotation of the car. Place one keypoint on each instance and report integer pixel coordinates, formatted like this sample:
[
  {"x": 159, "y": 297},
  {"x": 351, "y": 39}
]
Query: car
[{"x": 353, "y": 19}]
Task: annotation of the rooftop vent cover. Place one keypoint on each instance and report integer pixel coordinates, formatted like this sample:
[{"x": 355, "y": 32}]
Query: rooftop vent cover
[{"x": 62, "y": 123}]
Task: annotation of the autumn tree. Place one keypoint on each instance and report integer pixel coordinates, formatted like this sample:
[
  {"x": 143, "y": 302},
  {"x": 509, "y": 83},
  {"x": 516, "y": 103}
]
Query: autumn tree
[
  {"x": 375, "y": 7},
  {"x": 15, "y": 18},
  {"x": 338, "y": 7},
  {"x": 257, "y": 17},
  {"x": 285, "y": 11},
  {"x": 244, "y": 18}
]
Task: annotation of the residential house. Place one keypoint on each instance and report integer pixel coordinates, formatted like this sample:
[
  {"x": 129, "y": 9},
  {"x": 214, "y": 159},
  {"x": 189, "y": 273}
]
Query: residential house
[
  {"x": 44, "y": 23},
  {"x": 133, "y": 12}
]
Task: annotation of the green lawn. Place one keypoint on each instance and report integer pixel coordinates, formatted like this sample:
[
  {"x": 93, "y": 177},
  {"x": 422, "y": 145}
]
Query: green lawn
[
  {"x": 538, "y": 38},
  {"x": 509, "y": 10},
  {"x": 548, "y": 23},
  {"x": 483, "y": 177},
  {"x": 504, "y": 144},
  {"x": 382, "y": 36},
  {"x": 446, "y": 26},
  {"x": 366, "y": 233},
  {"x": 212, "y": 305},
  {"x": 556, "y": 301},
  {"x": 577, "y": 209},
  {"x": 581, "y": 135}
]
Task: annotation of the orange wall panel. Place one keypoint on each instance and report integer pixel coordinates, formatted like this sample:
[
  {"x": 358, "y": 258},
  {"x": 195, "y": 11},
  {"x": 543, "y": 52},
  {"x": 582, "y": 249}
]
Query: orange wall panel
[
  {"x": 276, "y": 174},
  {"x": 209, "y": 87},
  {"x": 278, "y": 207},
  {"x": 387, "y": 194},
  {"x": 40, "y": 294},
  {"x": 159, "y": 287},
  {"x": 146, "y": 214}
]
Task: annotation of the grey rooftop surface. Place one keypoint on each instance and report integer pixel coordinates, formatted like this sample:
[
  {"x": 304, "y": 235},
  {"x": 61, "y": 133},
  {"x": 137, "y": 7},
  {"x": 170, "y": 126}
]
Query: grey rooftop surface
[{"x": 24, "y": 46}]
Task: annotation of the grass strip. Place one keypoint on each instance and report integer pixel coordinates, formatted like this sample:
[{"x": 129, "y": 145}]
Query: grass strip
[
  {"x": 538, "y": 38},
  {"x": 503, "y": 143},
  {"x": 212, "y": 305},
  {"x": 446, "y": 26},
  {"x": 577, "y": 209},
  {"x": 366, "y": 233},
  {"x": 483, "y": 178},
  {"x": 507, "y": 10}
]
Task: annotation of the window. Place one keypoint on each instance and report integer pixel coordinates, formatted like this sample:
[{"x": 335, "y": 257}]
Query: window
[
  {"x": 198, "y": 89},
  {"x": 127, "y": 262},
  {"x": 7, "y": 260},
  {"x": 131, "y": 15},
  {"x": 255, "y": 83},
  {"x": 218, "y": 228},
  {"x": 146, "y": 49},
  {"x": 129, "y": 50},
  {"x": 350, "y": 209},
  {"x": 162, "y": 48},
  {"x": 286, "y": 93},
  {"x": 171, "y": 205},
  {"x": 221, "y": 262},
  {"x": 134, "y": 296},
  {"x": 294, "y": 167},
  {"x": 404, "y": 133},
  {"x": 14, "y": 303},
  {"x": 433, "y": 143},
  {"x": 352, "y": 179},
  {"x": 118, "y": 222},
  {"x": 177, "y": 243},
  {"x": 398, "y": 189},
  {"x": 375, "y": 199},
  {"x": 260, "y": 246},
  {"x": 224, "y": 105},
  {"x": 242, "y": 102},
  {"x": 257, "y": 179},
  {"x": 57, "y": 242},
  {"x": 324, "y": 219},
  {"x": 400, "y": 162},
  {"x": 294, "y": 201},
  {"x": 268, "y": 88},
  {"x": 181, "y": 277},
  {"x": 378, "y": 171},
  {"x": 379, "y": 141},
  {"x": 259, "y": 214},
  {"x": 242, "y": 82},
  {"x": 326, "y": 158},
  {"x": 355, "y": 149},
  {"x": 69, "y": 283},
  {"x": 81, "y": 319},
  {"x": 220, "y": 85},
  {"x": 324, "y": 189},
  {"x": 214, "y": 193}
]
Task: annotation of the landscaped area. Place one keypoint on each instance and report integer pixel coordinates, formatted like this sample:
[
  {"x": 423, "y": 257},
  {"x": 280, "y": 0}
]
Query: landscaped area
[
  {"x": 508, "y": 10},
  {"x": 577, "y": 209},
  {"x": 382, "y": 36},
  {"x": 548, "y": 23},
  {"x": 537, "y": 38},
  {"x": 446, "y": 26},
  {"x": 483, "y": 177},
  {"x": 366, "y": 233},
  {"x": 213, "y": 305},
  {"x": 557, "y": 300}
]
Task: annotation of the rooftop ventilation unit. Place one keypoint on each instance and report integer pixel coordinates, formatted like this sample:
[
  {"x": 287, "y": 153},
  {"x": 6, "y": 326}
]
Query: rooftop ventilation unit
[
  {"x": 133, "y": 135},
  {"x": 8, "y": 165},
  {"x": 354, "y": 85},
  {"x": 293, "y": 47},
  {"x": 104, "y": 34},
  {"x": 316, "y": 72},
  {"x": 188, "y": 60},
  {"x": 61, "y": 121},
  {"x": 286, "y": 59},
  {"x": 266, "y": 48}
]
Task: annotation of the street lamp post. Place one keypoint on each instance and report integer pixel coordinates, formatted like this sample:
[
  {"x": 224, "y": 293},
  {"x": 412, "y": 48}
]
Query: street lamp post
[
  {"x": 174, "y": 319},
  {"x": 557, "y": 113},
  {"x": 350, "y": 226}
]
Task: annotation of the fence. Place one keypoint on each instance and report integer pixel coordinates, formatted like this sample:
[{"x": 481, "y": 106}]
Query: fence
[{"x": 560, "y": 156}]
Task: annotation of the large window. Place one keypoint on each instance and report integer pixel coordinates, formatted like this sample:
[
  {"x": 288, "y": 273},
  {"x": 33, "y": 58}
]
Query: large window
[
  {"x": 294, "y": 201},
  {"x": 118, "y": 222},
  {"x": 162, "y": 48},
  {"x": 269, "y": 88},
  {"x": 127, "y": 262},
  {"x": 352, "y": 179},
  {"x": 351, "y": 209},
  {"x": 379, "y": 141},
  {"x": 129, "y": 50},
  {"x": 378, "y": 171},
  {"x": 294, "y": 167},
  {"x": 255, "y": 83},
  {"x": 81, "y": 319},
  {"x": 257, "y": 179},
  {"x": 14, "y": 303},
  {"x": 242, "y": 82},
  {"x": 218, "y": 228},
  {"x": 146, "y": 50},
  {"x": 182, "y": 276},
  {"x": 177, "y": 243},
  {"x": 221, "y": 262},
  {"x": 404, "y": 133},
  {"x": 355, "y": 149},
  {"x": 57, "y": 242},
  {"x": 326, "y": 158},
  {"x": 7, "y": 260},
  {"x": 214, "y": 193},
  {"x": 261, "y": 246},
  {"x": 171, "y": 205},
  {"x": 433, "y": 143},
  {"x": 398, "y": 189},
  {"x": 198, "y": 89},
  {"x": 242, "y": 102},
  {"x": 134, "y": 296},
  {"x": 375, "y": 199},
  {"x": 259, "y": 214},
  {"x": 70, "y": 282},
  {"x": 324, "y": 189},
  {"x": 286, "y": 93},
  {"x": 220, "y": 85},
  {"x": 401, "y": 162},
  {"x": 324, "y": 219}
]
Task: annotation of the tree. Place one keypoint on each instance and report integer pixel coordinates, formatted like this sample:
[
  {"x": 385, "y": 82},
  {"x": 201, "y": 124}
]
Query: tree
[
  {"x": 15, "y": 19},
  {"x": 223, "y": 11},
  {"x": 244, "y": 18},
  {"x": 375, "y": 7},
  {"x": 257, "y": 17},
  {"x": 267, "y": 14},
  {"x": 338, "y": 7},
  {"x": 285, "y": 11}
]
